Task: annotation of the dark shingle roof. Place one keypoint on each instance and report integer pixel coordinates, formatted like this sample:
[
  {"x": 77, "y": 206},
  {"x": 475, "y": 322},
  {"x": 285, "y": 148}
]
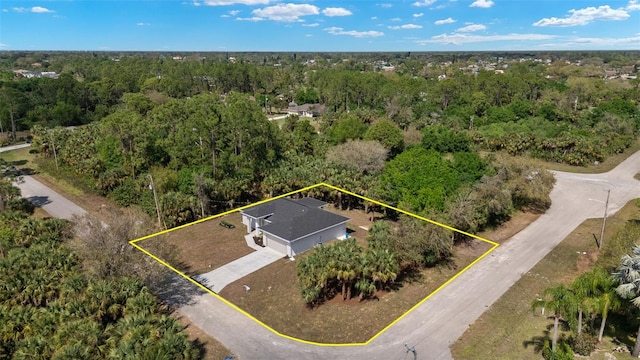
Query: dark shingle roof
[{"x": 292, "y": 219}]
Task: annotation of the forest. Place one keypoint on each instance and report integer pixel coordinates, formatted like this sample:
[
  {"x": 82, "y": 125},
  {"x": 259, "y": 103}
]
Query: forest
[
  {"x": 199, "y": 127},
  {"x": 444, "y": 136}
]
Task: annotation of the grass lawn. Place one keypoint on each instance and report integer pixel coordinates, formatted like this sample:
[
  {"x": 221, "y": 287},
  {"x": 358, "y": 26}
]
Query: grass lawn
[{"x": 509, "y": 329}]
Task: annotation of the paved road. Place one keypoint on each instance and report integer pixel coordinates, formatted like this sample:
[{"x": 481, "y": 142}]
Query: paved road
[
  {"x": 434, "y": 325},
  {"x": 53, "y": 203},
  {"x": 441, "y": 320},
  {"x": 14, "y": 147}
]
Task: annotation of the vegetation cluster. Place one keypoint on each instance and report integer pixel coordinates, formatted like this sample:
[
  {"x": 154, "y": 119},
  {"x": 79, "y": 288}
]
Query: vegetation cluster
[
  {"x": 583, "y": 307},
  {"x": 52, "y": 307}
]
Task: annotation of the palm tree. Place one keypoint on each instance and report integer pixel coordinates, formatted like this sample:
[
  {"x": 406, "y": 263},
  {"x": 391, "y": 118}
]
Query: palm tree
[
  {"x": 628, "y": 276},
  {"x": 561, "y": 301}
]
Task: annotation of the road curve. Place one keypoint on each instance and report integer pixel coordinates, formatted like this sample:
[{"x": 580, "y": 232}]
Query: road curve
[
  {"x": 438, "y": 322},
  {"x": 441, "y": 320}
]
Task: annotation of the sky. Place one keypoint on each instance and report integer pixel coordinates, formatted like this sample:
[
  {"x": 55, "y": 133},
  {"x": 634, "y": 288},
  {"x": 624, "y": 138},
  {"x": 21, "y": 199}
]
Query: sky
[{"x": 319, "y": 25}]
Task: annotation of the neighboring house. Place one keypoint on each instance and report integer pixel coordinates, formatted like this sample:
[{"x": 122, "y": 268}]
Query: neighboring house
[
  {"x": 306, "y": 110},
  {"x": 293, "y": 226}
]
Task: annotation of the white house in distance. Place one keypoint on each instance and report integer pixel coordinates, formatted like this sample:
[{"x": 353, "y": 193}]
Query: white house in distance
[
  {"x": 293, "y": 226},
  {"x": 306, "y": 110}
]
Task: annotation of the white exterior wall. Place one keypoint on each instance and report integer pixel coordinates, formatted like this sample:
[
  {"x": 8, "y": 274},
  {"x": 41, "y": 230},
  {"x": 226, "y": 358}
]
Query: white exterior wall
[
  {"x": 308, "y": 242},
  {"x": 252, "y": 223},
  {"x": 248, "y": 222}
]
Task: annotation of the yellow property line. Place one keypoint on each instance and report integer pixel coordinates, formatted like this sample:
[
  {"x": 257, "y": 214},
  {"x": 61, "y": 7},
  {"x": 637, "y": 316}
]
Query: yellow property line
[{"x": 146, "y": 252}]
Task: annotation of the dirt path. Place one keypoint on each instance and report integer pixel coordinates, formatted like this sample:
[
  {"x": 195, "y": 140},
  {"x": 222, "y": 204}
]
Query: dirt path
[{"x": 438, "y": 322}]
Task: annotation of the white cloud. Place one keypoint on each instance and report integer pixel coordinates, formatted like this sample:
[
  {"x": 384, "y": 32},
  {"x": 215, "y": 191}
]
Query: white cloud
[
  {"x": 458, "y": 39},
  {"x": 418, "y": 15},
  {"x": 385, "y": 5},
  {"x": 311, "y": 25},
  {"x": 234, "y": 2},
  {"x": 231, "y": 13},
  {"x": 359, "y": 34},
  {"x": 633, "y": 5},
  {"x": 143, "y": 24},
  {"x": 585, "y": 16},
  {"x": 195, "y": 3},
  {"x": 35, "y": 9},
  {"x": 332, "y": 11},
  {"x": 472, "y": 27},
  {"x": 5, "y": 10},
  {"x": 603, "y": 42},
  {"x": 374, "y": 18},
  {"x": 3, "y": 45},
  {"x": 444, "y": 21},
  {"x": 482, "y": 3},
  {"x": 286, "y": 12},
  {"x": 396, "y": 19},
  {"x": 40, "y": 9},
  {"x": 406, "y": 26},
  {"x": 423, "y": 3},
  {"x": 254, "y": 19}
]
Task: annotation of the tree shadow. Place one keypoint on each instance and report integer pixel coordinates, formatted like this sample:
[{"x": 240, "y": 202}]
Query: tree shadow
[
  {"x": 39, "y": 201},
  {"x": 175, "y": 290},
  {"x": 537, "y": 342},
  {"x": 27, "y": 171},
  {"x": 18, "y": 162}
]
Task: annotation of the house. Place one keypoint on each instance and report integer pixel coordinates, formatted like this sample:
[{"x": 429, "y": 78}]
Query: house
[
  {"x": 293, "y": 226},
  {"x": 306, "y": 110}
]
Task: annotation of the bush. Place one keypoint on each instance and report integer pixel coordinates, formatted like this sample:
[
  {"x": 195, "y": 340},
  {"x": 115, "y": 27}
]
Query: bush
[
  {"x": 126, "y": 194},
  {"x": 563, "y": 351},
  {"x": 583, "y": 344}
]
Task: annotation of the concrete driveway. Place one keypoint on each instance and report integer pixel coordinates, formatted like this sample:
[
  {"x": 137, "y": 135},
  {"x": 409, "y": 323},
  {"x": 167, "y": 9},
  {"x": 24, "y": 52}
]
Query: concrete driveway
[{"x": 217, "y": 279}]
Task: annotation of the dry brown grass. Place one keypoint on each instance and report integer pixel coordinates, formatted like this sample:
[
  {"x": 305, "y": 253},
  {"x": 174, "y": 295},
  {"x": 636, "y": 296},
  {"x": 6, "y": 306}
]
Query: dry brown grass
[
  {"x": 211, "y": 348},
  {"x": 203, "y": 247},
  {"x": 509, "y": 329},
  {"x": 275, "y": 299}
]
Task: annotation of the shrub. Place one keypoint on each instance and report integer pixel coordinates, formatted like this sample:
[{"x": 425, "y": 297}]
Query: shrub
[
  {"x": 583, "y": 344},
  {"x": 563, "y": 351}
]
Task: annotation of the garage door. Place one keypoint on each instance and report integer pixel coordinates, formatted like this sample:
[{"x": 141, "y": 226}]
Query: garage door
[{"x": 277, "y": 245}]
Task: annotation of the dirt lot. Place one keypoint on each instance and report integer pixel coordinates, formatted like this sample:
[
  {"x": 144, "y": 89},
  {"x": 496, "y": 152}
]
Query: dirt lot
[
  {"x": 205, "y": 246},
  {"x": 274, "y": 297}
]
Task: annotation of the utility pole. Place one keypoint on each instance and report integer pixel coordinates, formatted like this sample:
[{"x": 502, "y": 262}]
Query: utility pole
[
  {"x": 604, "y": 219},
  {"x": 155, "y": 198},
  {"x": 55, "y": 154}
]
